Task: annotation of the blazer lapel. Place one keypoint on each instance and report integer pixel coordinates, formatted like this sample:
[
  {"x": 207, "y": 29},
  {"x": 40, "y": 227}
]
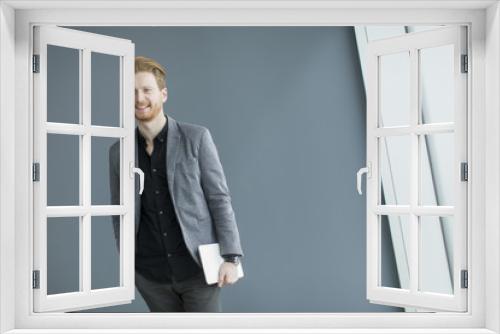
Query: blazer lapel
[{"x": 173, "y": 138}]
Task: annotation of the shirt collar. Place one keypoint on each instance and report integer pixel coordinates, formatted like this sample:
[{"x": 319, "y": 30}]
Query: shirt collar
[{"x": 160, "y": 137}]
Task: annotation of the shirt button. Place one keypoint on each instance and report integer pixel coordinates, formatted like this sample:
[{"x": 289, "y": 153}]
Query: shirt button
[
  {"x": 164, "y": 234},
  {"x": 157, "y": 192},
  {"x": 154, "y": 170},
  {"x": 169, "y": 255},
  {"x": 161, "y": 212}
]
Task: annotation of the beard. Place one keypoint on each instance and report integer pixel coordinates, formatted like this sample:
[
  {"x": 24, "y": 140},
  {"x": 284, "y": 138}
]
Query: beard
[{"x": 152, "y": 111}]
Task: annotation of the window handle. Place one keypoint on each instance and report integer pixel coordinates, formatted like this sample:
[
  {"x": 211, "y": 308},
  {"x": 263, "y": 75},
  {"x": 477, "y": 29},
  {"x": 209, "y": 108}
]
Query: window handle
[
  {"x": 134, "y": 170},
  {"x": 365, "y": 170}
]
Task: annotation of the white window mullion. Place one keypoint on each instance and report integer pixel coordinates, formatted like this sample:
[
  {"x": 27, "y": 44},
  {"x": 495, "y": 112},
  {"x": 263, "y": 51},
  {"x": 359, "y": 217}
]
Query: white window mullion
[
  {"x": 392, "y": 210},
  {"x": 80, "y": 211},
  {"x": 414, "y": 171},
  {"x": 86, "y": 163},
  {"x": 77, "y": 129},
  {"x": 419, "y": 210},
  {"x": 65, "y": 129},
  {"x": 80, "y": 130},
  {"x": 435, "y": 210},
  {"x": 419, "y": 129},
  {"x": 85, "y": 251},
  {"x": 103, "y": 131}
]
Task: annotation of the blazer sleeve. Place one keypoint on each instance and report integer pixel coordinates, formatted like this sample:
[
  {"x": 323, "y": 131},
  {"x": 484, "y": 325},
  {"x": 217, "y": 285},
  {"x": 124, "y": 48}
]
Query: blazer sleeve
[{"x": 215, "y": 189}]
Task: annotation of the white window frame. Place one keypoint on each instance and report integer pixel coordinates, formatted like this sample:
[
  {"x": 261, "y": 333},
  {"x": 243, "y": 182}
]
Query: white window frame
[{"x": 16, "y": 19}]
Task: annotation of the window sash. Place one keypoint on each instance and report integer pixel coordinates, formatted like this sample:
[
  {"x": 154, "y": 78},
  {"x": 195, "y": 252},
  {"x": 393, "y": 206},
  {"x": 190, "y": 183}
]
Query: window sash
[
  {"x": 86, "y": 297},
  {"x": 413, "y": 297}
]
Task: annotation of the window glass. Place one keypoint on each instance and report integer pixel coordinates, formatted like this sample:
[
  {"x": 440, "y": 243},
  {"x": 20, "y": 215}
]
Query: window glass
[
  {"x": 105, "y": 76},
  {"x": 101, "y": 177},
  {"x": 63, "y": 255},
  {"x": 437, "y": 169},
  {"x": 433, "y": 256},
  {"x": 63, "y": 84},
  {"x": 105, "y": 252},
  {"x": 394, "y": 255},
  {"x": 437, "y": 88},
  {"x": 394, "y": 90},
  {"x": 63, "y": 169},
  {"x": 394, "y": 169}
]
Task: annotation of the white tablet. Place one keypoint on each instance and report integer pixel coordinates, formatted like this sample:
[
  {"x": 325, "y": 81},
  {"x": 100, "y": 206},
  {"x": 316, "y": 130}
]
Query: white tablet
[{"x": 211, "y": 261}]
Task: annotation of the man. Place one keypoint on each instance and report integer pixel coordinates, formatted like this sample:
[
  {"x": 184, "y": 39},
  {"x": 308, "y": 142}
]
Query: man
[{"x": 185, "y": 203}]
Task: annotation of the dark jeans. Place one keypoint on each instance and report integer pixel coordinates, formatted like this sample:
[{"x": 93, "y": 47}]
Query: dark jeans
[{"x": 191, "y": 295}]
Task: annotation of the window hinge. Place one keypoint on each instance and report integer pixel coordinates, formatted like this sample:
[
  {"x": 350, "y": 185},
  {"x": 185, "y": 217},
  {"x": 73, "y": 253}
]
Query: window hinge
[
  {"x": 465, "y": 279},
  {"x": 36, "y": 63},
  {"x": 36, "y": 171},
  {"x": 465, "y": 64},
  {"x": 464, "y": 171},
  {"x": 36, "y": 279}
]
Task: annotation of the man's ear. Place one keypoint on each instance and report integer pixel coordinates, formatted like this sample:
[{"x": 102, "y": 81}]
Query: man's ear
[{"x": 164, "y": 93}]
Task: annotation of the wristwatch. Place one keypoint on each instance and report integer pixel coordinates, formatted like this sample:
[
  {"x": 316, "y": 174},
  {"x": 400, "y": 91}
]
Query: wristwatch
[{"x": 232, "y": 259}]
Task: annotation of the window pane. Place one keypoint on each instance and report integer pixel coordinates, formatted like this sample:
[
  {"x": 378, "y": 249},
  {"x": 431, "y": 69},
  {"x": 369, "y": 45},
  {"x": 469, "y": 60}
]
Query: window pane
[
  {"x": 394, "y": 234},
  {"x": 436, "y": 254},
  {"x": 63, "y": 170},
  {"x": 437, "y": 169},
  {"x": 63, "y": 255},
  {"x": 436, "y": 84},
  {"x": 101, "y": 178},
  {"x": 105, "y": 252},
  {"x": 63, "y": 85},
  {"x": 394, "y": 90},
  {"x": 394, "y": 168},
  {"x": 105, "y": 90}
]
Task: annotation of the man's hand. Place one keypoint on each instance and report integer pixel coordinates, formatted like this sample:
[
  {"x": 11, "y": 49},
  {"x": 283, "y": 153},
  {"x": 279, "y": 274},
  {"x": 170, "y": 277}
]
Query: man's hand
[{"x": 228, "y": 274}]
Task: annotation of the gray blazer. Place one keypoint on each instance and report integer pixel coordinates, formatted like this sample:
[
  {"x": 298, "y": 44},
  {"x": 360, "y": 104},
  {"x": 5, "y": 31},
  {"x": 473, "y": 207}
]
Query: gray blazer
[{"x": 197, "y": 186}]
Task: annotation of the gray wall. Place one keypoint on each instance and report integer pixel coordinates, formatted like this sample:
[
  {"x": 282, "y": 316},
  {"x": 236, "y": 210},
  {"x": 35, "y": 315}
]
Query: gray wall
[{"x": 286, "y": 108}]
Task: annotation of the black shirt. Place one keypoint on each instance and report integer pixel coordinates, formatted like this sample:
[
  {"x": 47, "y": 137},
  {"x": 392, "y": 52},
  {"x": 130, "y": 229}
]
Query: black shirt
[{"x": 161, "y": 253}]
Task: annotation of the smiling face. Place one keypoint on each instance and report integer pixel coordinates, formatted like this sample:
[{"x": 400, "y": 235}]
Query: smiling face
[{"x": 149, "y": 98}]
